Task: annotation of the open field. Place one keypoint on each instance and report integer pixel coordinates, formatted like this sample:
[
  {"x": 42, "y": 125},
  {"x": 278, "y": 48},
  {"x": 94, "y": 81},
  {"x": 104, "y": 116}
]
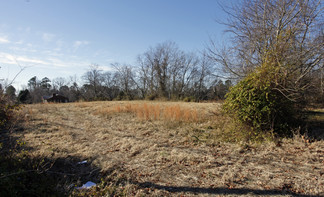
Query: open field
[{"x": 168, "y": 149}]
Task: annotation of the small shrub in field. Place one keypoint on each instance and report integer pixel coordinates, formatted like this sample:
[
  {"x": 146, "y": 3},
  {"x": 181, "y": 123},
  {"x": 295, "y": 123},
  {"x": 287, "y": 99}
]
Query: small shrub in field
[
  {"x": 256, "y": 103},
  {"x": 189, "y": 99}
]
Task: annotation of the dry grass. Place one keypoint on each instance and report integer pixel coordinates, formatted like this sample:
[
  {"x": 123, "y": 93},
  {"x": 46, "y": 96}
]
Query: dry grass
[
  {"x": 172, "y": 149},
  {"x": 146, "y": 112}
]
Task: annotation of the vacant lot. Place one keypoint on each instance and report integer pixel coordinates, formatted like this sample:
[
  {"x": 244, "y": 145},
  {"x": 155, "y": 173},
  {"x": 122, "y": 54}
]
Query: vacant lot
[{"x": 169, "y": 148}]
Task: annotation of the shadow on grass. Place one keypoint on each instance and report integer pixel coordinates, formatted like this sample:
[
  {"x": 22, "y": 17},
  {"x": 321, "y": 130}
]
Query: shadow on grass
[
  {"x": 25, "y": 175},
  {"x": 43, "y": 176},
  {"x": 315, "y": 124},
  {"x": 220, "y": 190}
]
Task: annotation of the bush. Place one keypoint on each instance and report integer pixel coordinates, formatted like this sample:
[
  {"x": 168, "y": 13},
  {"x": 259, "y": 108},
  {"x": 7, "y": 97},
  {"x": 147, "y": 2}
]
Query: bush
[
  {"x": 189, "y": 99},
  {"x": 257, "y": 103},
  {"x": 151, "y": 97},
  {"x": 7, "y": 110},
  {"x": 24, "y": 96}
]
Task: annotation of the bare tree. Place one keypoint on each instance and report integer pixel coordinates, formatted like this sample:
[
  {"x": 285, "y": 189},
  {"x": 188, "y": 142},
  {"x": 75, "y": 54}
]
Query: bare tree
[
  {"x": 93, "y": 79},
  {"x": 160, "y": 69},
  {"x": 164, "y": 56},
  {"x": 107, "y": 79},
  {"x": 145, "y": 76},
  {"x": 182, "y": 73},
  {"x": 202, "y": 77},
  {"x": 58, "y": 82},
  {"x": 289, "y": 33},
  {"x": 125, "y": 78}
]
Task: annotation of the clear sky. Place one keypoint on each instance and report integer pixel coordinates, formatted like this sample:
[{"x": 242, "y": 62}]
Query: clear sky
[{"x": 61, "y": 38}]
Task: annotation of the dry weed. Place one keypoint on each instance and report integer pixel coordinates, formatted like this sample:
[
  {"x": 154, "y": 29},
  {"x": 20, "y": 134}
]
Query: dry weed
[
  {"x": 172, "y": 113},
  {"x": 185, "y": 160}
]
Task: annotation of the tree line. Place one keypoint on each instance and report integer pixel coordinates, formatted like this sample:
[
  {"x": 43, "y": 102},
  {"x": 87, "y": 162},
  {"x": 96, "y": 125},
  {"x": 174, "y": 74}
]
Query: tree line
[{"x": 162, "y": 72}]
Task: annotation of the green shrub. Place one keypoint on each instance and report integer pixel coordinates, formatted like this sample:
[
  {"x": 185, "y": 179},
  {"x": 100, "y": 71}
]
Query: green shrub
[
  {"x": 189, "y": 99},
  {"x": 257, "y": 103}
]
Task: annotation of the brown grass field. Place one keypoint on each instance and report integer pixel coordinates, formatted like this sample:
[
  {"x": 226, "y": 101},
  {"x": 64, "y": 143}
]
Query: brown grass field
[{"x": 168, "y": 149}]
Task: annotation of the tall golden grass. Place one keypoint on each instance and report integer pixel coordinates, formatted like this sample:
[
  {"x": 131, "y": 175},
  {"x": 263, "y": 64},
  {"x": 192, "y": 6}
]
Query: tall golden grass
[{"x": 145, "y": 111}]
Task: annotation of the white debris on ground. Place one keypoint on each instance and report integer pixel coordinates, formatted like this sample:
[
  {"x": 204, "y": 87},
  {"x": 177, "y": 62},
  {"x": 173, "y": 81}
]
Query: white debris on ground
[
  {"x": 82, "y": 162},
  {"x": 87, "y": 185}
]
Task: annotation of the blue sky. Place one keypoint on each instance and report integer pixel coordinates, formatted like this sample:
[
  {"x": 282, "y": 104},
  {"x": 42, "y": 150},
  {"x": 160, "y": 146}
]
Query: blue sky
[{"x": 61, "y": 38}]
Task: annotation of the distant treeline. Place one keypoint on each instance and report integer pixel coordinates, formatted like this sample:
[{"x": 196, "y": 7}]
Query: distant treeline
[{"x": 162, "y": 72}]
